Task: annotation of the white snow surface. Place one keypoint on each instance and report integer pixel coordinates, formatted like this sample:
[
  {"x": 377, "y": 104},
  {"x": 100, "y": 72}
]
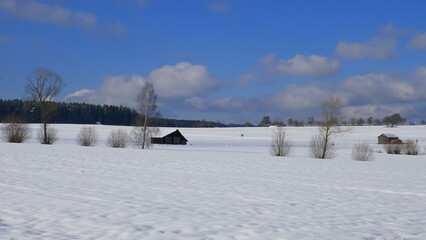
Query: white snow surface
[{"x": 219, "y": 186}]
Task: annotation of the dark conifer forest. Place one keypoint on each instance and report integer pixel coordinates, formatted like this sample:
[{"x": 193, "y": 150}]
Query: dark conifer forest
[{"x": 83, "y": 113}]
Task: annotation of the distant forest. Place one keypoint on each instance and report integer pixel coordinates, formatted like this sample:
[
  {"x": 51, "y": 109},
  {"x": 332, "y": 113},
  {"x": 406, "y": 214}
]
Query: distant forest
[{"x": 83, "y": 113}]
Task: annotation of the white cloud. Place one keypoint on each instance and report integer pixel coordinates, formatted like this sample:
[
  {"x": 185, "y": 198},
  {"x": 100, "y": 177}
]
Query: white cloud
[
  {"x": 116, "y": 90},
  {"x": 381, "y": 88},
  {"x": 419, "y": 41},
  {"x": 35, "y": 11},
  {"x": 390, "y": 30},
  {"x": 377, "y": 48},
  {"x": 301, "y": 65},
  {"x": 301, "y": 96},
  {"x": 220, "y": 5},
  {"x": 182, "y": 80}
]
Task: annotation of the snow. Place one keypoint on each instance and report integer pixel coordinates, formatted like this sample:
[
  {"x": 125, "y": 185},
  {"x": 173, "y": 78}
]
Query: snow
[{"x": 220, "y": 186}]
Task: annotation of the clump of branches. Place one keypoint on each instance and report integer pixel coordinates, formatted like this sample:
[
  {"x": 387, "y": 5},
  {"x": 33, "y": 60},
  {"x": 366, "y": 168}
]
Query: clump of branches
[
  {"x": 362, "y": 152},
  {"x": 321, "y": 147},
  {"x": 47, "y": 135},
  {"x": 15, "y": 129},
  {"x": 280, "y": 145},
  {"x": 411, "y": 147},
  {"x": 142, "y": 136},
  {"x": 393, "y": 148},
  {"x": 147, "y": 105},
  {"x": 118, "y": 139},
  {"x": 87, "y": 136}
]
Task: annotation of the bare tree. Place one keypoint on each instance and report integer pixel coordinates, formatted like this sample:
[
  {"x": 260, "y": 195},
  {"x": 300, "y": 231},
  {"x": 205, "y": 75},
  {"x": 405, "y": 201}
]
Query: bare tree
[
  {"x": 147, "y": 106},
  {"x": 280, "y": 145},
  {"x": 329, "y": 127},
  {"x": 43, "y": 86}
]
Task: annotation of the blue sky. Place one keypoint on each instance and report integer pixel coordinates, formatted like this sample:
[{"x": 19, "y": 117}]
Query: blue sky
[{"x": 232, "y": 61}]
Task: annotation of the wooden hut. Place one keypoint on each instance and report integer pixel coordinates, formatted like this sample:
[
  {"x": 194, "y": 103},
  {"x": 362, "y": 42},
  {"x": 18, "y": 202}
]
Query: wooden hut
[
  {"x": 175, "y": 138},
  {"x": 387, "y": 138}
]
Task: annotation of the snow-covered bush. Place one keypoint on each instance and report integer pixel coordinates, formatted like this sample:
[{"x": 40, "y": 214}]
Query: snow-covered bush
[
  {"x": 411, "y": 147},
  {"x": 393, "y": 148},
  {"x": 15, "y": 129},
  {"x": 87, "y": 136},
  {"x": 51, "y": 135},
  {"x": 118, "y": 139},
  {"x": 362, "y": 152},
  {"x": 280, "y": 145}
]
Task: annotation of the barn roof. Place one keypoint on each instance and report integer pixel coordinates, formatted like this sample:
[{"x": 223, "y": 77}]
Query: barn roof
[
  {"x": 389, "y": 135},
  {"x": 176, "y": 134}
]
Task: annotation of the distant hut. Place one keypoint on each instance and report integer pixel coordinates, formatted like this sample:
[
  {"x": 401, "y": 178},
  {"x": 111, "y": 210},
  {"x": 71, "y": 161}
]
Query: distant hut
[
  {"x": 387, "y": 138},
  {"x": 175, "y": 138}
]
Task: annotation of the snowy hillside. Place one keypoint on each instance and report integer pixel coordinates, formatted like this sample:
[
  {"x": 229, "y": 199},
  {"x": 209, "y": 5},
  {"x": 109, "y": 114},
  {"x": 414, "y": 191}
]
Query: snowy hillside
[{"x": 220, "y": 186}]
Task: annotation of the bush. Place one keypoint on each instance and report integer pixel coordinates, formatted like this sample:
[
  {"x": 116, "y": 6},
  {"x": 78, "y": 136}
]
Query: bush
[
  {"x": 280, "y": 145},
  {"x": 411, "y": 148},
  {"x": 51, "y": 133},
  {"x": 15, "y": 129},
  {"x": 118, "y": 139},
  {"x": 87, "y": 136},
  {"x": 393, "y": 148},
  {"x": 362, "y": 152},
  {"x": 320, "y": 148}
]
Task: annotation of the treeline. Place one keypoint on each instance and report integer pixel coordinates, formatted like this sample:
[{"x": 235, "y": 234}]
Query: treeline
[{"x": 83, "y": 113}]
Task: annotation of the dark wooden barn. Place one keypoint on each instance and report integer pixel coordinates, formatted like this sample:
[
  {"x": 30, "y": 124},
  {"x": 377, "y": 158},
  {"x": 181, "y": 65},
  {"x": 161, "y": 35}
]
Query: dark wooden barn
[
  {"x": 175, "y": 138},
  {"x": 387, "y": 138}
]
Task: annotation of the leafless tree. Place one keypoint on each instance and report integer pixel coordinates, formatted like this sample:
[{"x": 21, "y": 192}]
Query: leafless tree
[
  {"x": 43, "y": 86},
  {"x": 329, "y": 126},
  {"x": 280, "y": 145},
  {"x": 15, "y": 129},
  {"x": 362, "y": 152},
  {"x": 147, "y": 106},
  {"x": 87, "y": 136}
]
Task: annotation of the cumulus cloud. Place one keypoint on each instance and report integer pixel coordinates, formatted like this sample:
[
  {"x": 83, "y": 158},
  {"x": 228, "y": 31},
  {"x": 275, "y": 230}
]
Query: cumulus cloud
[
  {"x": 419, "y": 41},
  {"x": 377, "y": 48},
  {"x": 35, "y": 11},
  {"x": 301, "y": 65},
  {"x": 220, "y": 6},
  {"x": 391, "y": 31},
  {"x": 177, "y": 83},
  {"x": 115, "y": 90},
  {"x": 383, "y": 46},
  {"x": 182, "y": 80}
]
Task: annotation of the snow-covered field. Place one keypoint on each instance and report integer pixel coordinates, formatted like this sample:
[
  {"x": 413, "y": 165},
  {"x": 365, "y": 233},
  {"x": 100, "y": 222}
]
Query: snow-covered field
[{"x": 220, "y": 186}]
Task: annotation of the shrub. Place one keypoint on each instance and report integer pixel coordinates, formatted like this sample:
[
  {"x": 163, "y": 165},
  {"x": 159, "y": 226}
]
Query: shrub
[
  {"x": 411, "y": 148},
  {"x": 393, "y": 148},
  {"x": 118, "y": 139},
  {"x": 362, "y": 152},
  {"x": 280, "y": 145},
  {"x": 15, "y": 129},
  {"x": 87, "y": 136},
  {"x": 51, "y": 135},
  {"x": 320, "y": 147}
]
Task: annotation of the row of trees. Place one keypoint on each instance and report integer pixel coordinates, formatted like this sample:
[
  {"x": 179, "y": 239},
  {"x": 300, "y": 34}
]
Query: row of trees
[{"x": 392, "y": 120}]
